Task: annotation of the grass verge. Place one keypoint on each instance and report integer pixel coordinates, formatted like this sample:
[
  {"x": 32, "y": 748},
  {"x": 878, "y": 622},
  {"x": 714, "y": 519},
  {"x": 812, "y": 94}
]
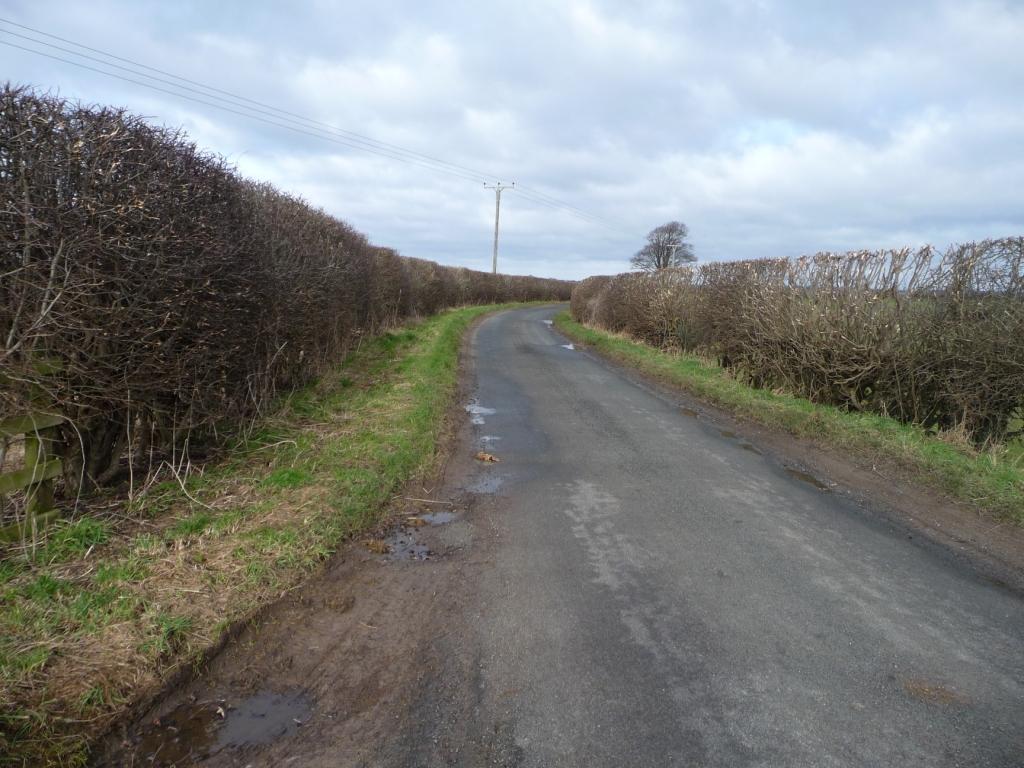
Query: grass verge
[
  {"x": 102, "y": 612},
  {"x": 991, "y": 480}
]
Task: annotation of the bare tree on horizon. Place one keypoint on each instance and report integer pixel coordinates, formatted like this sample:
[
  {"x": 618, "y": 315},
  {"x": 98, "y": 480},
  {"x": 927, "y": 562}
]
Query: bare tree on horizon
[{"x": 666, "y": 247}]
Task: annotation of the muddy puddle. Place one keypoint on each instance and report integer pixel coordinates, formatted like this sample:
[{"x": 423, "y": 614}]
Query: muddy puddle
[
  {"x": 806, "y": 477},
  {"x": 728, "y": 434},
  {"x": 195, "y": 731},
  {"x": 438, "y": 518},
  {"x": 403, "y": 545},
  {"x": 486, "y": 482}
]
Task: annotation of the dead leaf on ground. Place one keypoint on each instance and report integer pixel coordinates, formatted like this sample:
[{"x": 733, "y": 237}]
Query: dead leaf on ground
[
  {"x": 415, "y": 522},
  {"x": 931, "y": 693},
  {"x": 377, "y": 545},
  {"x": 484, "y": 456}
]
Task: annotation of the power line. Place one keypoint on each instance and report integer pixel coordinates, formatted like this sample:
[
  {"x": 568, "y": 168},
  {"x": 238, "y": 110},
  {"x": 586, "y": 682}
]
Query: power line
[
  {"x": 539, "y": 198},
  {"x": 214, "y": 89},
  {"x": 532, "y": 195},
  {"x": 556, "y": 201},
  {"x": 242, "y": 114},
  {"x": 300, "y": 122},
  {"x": 384, "y": 150},
  {"x": 292, "y": 121}
]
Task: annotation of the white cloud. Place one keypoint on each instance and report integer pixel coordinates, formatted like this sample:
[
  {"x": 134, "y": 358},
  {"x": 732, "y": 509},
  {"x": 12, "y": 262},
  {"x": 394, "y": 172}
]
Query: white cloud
[{"x": 770, "y": 128}]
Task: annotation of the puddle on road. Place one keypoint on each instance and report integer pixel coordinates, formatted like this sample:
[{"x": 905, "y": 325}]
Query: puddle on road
[
  {"x": 477, "y": 412},
  {"x": 402, "y": 545},
  {"x": 996, "y": 582},
  {"x": 262, "y": 718},
  {"x": 741, "y": 443},
  {"x": 806, "y": 477},
  {"x": 487, "y": 482},
  {"x": 185, "y": 734},
  {"x": 438, "y": 518},
  {"x": 194, "y": 731},
  {"x": 728, "y": 434}
]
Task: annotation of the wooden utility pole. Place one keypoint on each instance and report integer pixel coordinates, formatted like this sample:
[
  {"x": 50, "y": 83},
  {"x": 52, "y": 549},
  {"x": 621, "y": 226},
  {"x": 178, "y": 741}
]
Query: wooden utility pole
[{"x": 497, "y": 214}]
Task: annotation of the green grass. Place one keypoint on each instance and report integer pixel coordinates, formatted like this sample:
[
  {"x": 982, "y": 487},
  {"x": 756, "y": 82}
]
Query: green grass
[
  {"x": 75, "y": 539},
  {"x": 991, "y": 480},
  {"x": 193, "y": 525},
  {"x": 104, "y": 603},
  {"x": 287, "y": 477},
  {"x": 168, "y": 633}
]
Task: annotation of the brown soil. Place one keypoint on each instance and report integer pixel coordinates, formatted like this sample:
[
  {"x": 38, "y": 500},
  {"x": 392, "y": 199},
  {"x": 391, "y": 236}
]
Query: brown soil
[
  {"x": 370, "y": 622},
  {"x": 367, "y": 624}
]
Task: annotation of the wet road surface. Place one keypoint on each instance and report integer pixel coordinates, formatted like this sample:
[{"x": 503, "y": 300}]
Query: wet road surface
[
  {"x": 661, "y": 594},
  {"x": 627, "y": 586}
]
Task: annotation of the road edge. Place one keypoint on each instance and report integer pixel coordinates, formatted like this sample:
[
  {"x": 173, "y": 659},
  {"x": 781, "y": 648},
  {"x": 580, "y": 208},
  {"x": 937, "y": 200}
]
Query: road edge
[
  {"x": 951, "y": 527},
  {"x": 432, "y": 472}
]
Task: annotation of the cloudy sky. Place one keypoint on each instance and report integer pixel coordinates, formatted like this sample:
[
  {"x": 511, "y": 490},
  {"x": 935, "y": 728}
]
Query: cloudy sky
[{"x": 770, "y": 128}]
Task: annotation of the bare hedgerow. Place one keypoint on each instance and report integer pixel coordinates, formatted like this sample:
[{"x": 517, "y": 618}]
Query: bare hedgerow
[
  {"x": 583, "y": 302},
  {"x": 926, "y": 337},
  {"x": 176, "y": 297}
]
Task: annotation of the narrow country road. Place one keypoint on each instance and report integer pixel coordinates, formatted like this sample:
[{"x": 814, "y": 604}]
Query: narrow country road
[
  {"x": 629, "y": 586},
  {"x": 662, "y": 595}
]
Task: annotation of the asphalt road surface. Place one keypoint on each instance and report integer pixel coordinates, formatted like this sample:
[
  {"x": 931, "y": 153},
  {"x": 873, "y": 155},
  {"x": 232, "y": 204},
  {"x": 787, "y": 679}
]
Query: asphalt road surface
[
  {"x": 663, "y": 595},
  {"x": 628, "y": 586}
]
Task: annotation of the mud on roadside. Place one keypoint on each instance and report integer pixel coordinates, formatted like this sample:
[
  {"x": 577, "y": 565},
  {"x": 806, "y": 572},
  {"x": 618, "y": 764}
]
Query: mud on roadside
[{"x": 336, "y": 662}]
